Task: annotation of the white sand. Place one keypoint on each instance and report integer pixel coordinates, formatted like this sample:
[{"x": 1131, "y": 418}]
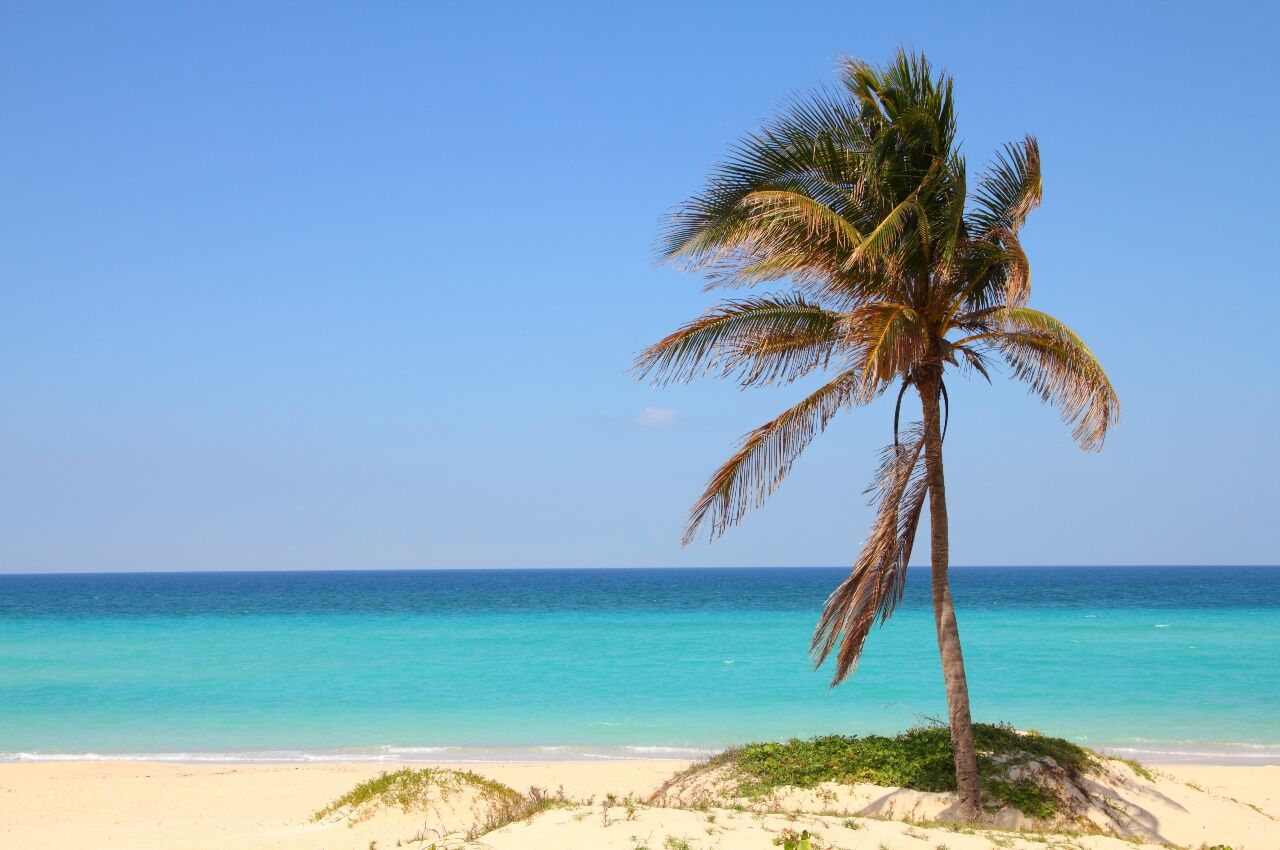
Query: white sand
[{"x": 148, "y": 806}]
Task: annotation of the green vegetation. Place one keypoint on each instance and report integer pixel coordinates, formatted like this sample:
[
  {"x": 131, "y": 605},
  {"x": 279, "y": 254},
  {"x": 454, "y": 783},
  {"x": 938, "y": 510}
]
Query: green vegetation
[
  {"x": 1138, "y": 769},
  {"x": 919, "y": 758},
  {"x": 415, "y": 790},
  {"x": 789, "y": 839},
  {"x": 409, "y": 790},
  {"x": 1025, "y": 795}
]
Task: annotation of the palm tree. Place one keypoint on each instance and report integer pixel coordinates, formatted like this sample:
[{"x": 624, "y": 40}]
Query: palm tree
[{"x": 858, "y": 199}]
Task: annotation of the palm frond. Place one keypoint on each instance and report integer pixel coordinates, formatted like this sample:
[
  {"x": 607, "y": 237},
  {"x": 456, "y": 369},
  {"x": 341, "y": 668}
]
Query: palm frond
[
  {"x": 994, "y": 272},
  {"x": 749, "y": 268},
  {"x": 811, "y": 150},
  {"x": 973, "y": 359},
  {"x": 792, "y": 212},
  {"x": 950, "y": 202},
  {"x": 1017, "y": 270},
  {"x": 835, "y": 193},
  {"x": 722, "y": 338},
  {"x": 877, "y": 244},
  {"x": 875, "y": 585},
  {"x": 1009, "y": 189},
  {"x": 888, "y": 339},
  {"x": 765, "y": 457},
  {"x": 1058, "y": 367},
  {"x": 782, "y": 357}
]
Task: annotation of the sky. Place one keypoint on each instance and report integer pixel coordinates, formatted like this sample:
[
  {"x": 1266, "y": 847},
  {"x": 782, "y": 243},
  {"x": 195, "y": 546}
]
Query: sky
[{"x": 358, "y": 285}]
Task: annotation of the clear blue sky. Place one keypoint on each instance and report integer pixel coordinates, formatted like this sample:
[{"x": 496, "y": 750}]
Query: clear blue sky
[{"x": 357, "y": 285}]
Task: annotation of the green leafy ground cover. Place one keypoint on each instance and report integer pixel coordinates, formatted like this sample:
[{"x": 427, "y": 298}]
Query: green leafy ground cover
[{"x": 919, "y": 758}]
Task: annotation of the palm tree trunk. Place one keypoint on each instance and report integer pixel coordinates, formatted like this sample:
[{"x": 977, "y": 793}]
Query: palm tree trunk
[{"x": 944, "y": 614}]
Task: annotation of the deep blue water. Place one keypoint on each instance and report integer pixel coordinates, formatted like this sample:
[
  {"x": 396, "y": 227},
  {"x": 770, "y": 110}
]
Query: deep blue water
[{"x": 1157, "y": 659}]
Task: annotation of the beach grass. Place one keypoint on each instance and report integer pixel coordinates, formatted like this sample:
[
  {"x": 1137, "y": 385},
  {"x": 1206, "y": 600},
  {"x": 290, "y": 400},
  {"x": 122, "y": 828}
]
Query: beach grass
[
  {"x": 920, "y": 759},
  {"x": 415, "y": 790},
  {"x": 408, "y": 790}
]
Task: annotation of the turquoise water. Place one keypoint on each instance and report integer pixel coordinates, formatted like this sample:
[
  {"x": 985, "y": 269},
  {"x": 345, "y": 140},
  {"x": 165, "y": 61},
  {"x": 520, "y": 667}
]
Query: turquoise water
[{"x": 1164, "y": 662}]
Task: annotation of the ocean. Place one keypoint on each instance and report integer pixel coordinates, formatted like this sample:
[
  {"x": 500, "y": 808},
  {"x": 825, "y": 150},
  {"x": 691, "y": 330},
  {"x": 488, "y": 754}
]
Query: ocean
[{"x": 1159, "y": 663}]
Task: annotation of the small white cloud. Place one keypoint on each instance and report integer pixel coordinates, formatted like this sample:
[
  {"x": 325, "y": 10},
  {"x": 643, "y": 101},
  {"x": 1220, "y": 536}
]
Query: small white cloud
[{"x": 656, "y": 417}]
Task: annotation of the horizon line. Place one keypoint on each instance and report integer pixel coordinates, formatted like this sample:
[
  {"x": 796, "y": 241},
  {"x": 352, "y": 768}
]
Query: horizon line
[{"x": 305, "y": 570}]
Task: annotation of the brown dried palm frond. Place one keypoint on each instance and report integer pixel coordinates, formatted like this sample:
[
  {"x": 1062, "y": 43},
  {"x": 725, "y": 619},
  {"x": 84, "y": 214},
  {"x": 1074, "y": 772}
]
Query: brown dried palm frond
[
  {"x": 1057, "y": 365},
  {"x": 1017, "y": 269},
  {"x": 765, "y": 457},
  {"x": 874, "y": 587},
  {"x": 753, "y": 337},
  {"x": 789, "y": 213},
  {"x": 780, "y": 357},
  {"x": 888, "y": 339}
]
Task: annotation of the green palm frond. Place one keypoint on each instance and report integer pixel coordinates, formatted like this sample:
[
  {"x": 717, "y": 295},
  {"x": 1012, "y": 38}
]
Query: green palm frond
[
  {"x": 953, "y": 196},
  {"x": 831, "y": 189},
  {"x": 902, "y": 98},
  {"x": 810, "y": 150},
  {"x": 884, "y": 237},
  {"x": 994, "y": 272},
  {"x": 1009, "y": 190},
  {"x": 998, "y": 271}
]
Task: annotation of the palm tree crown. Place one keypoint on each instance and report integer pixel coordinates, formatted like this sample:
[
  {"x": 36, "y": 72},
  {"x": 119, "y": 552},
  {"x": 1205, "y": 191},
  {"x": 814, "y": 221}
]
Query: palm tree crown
[{"x": 858, "y": 198}]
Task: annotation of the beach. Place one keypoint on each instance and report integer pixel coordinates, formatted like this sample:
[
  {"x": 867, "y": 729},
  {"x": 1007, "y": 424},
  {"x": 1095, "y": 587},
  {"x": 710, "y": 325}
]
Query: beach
[
  {"x": 128, "y": 805},
  {"x": 144, "y": 805}
]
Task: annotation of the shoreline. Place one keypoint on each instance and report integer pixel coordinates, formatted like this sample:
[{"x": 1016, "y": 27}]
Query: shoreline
[{"x": 1172, "y": 753}]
